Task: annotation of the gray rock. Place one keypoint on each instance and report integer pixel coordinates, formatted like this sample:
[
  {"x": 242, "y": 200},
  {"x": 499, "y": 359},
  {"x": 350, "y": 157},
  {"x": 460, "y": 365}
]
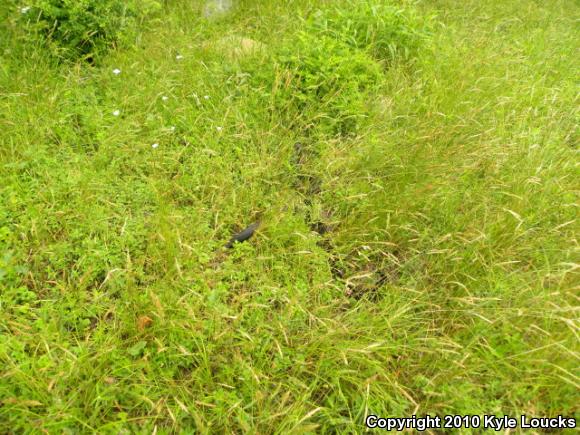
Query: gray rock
[{"x": 214, "y": 8}]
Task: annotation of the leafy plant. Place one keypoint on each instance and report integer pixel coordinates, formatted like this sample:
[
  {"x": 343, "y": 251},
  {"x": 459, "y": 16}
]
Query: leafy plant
[
  {"x": 324, "y": 75},
  {"x": 386, "y": 31},
  {"x": 83, "y": 28},
  {"x": 322, "y": 82}
]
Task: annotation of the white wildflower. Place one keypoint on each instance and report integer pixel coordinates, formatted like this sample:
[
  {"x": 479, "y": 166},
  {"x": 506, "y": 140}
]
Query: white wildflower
[
  {"x": 155, "y": 145},
  {"x": 24, "y": 9},
  {"x": 165, "y": 98},
  {"x": 206, "y": 97},
  {"x": 179, "y": 57},
  {"x": 116, "y": 113},
  {"x": 219, "y": 128},
  {"x": 116, "y": 71}
]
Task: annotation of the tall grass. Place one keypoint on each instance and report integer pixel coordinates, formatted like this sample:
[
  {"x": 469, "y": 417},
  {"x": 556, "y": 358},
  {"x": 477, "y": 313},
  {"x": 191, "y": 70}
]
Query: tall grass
[{"x": 425, "y": 262}]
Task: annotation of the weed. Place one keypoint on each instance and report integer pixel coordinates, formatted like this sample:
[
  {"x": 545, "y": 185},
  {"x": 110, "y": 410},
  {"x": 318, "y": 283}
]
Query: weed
[
  {"x": 85, "y": 28},
  {"x": 319, "y": 82},
  {"x": 389, "y": 32}
]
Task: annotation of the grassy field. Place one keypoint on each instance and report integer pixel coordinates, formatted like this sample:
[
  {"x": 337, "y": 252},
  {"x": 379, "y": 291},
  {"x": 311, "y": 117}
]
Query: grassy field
[{"x": 417, "y": 252}]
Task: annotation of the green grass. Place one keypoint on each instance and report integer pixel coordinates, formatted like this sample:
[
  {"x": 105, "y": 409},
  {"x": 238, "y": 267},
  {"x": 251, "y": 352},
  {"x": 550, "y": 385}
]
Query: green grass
[{"x": 448, "y": 281}]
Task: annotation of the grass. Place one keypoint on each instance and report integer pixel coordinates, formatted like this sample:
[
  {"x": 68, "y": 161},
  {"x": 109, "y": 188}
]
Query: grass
[{"x": 447, "y": 280}]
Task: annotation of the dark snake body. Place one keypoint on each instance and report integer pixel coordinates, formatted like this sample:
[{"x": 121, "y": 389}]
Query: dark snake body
[{"x": 243, "y": 235}]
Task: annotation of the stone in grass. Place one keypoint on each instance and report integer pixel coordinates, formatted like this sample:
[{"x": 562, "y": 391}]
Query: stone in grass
[{"x": 236, "y": 47}]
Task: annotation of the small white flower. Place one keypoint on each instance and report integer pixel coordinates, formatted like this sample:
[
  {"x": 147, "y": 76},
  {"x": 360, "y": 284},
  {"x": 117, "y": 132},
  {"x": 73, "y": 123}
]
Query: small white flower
[
  {"x": 155, "y": 145},
  {"x": 116, "y": 71},
  {"x": 172, "y": 128},
  {"x": 179, "y": 57},
  {"x": 165, "y": 98},
  {"x": 116, "y": 113},
  {"x": 24, "y": 9},
  {"x": 206, "y": 97},
  {"x": 219, "y": 128}
]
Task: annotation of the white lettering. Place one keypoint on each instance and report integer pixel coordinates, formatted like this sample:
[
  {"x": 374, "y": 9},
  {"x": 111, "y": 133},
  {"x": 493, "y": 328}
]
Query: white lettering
[{"x": 371, "y": 421}]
